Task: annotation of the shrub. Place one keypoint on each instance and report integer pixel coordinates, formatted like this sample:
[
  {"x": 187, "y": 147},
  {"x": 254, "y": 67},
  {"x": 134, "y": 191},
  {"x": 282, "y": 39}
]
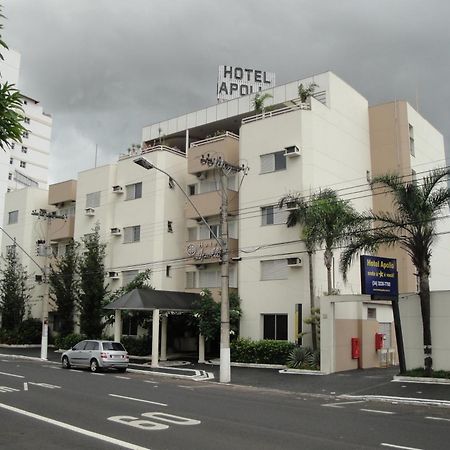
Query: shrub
[
  {"x": 304, "y": 358},
  {"x": 28, "y": 332},
  {"x": 137, "y": 346},
  {"x": 67, "y": 342},
  {"x": 262, "y": 352}
]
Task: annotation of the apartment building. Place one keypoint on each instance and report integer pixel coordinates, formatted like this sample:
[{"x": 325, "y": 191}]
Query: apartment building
[{"x": 334, "y": 139}]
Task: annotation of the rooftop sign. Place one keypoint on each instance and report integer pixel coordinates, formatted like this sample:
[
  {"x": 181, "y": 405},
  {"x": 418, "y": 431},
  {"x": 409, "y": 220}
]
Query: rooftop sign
[
  {"x": 379, "y": 276},
  {"x": 233, "y": 82}
]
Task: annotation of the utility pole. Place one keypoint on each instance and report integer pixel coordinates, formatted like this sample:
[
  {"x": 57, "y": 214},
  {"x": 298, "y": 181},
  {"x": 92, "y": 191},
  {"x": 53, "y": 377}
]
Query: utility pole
[
  {"x": 44, "y": 249},
  {"x": 225, "y": 170}
]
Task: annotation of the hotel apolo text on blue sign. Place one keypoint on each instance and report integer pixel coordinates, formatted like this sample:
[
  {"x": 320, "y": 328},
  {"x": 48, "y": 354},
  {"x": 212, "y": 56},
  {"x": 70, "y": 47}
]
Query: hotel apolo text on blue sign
[{"x": 379, "y": 276}]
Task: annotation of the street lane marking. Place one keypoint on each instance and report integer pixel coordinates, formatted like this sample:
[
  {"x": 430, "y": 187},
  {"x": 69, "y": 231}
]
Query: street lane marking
[
  {"x": 151, "y": 382},
  {"x": 73, "y": 428},
  {"x": 339, "y": 405},
  {"x": 5, "y": 360},
  {"x": 100, "y": 374},
  {"x": 377, "y": 411},
  {"x": 25, "y": 386},
  {"x": 7, "y": 389},
  {"x": 383, "y": 444},
  {"x": 45, "y": 385},
  {"x": 123, "y": 378},
  {"x": 11, "y": 375},
  {"x": 137, "y": 399},
  {"x": 437, "y": 418}
]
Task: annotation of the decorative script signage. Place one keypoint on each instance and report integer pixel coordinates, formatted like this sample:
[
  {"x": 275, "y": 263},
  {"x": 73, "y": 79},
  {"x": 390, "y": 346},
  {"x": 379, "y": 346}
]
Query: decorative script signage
[
  {"x": 379, "y": 276},
  {"x": 234, "y": 82},
  {"x": 203, "y": 250}
]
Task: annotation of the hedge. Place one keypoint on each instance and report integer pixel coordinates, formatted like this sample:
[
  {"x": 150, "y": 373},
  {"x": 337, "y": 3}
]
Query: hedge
[
  {"x": 67, "y": 342},
  {"x": 28, "y": 332},
  {"x": 261, "y": 352},
  {"x": 137, "y": 346}
]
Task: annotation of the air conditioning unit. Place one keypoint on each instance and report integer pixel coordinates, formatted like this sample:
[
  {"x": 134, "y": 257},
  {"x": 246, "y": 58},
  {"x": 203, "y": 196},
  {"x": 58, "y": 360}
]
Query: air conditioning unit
[
  {"x": 89, "y": 212},
  {"x": 292, "y": 150},
  {"x": 116, "y": 231},
  {"x": 291, "y": 206},
  {"x": 117, "y": 189},
  {"x": 113, "y": 275},
  {"x": 202, "y": 175},
  {"x": 294, "y": 262}
]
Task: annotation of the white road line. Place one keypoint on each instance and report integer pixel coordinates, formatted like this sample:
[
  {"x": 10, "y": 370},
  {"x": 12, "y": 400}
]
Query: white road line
[
  {"x": 377, "y": 411},
  {"x": 383, "y": 444},
  {"x": 100, "y": 374},
  {"x": 25, "y": 386},
  {"x": 137, "y": 399},
  {"x": 123, "y": 378},
  {"x": 74, "y": 370},
  {"x": 151, "y": 382},
  {"x": 11, "y": 375},
  {"x": 339, "y": 405},
  {"x": 4, "y": 360},
  {"x": 437, "y": 418},
  {"x": 75, "y": 429}
]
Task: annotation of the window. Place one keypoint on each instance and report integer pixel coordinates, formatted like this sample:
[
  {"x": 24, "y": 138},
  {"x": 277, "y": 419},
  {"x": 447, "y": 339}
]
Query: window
[
  {"x": 134, "y": 191},
  {"x": 9, "y": 176},
  {"x": 275, "y": 326},
  {"x": 131, "y": 234},
  {"x": 13, "y": 217},
  {"x": 25, "y": 135},
  {"x": 91, "y": 345},
  {"x": 93, "y": 199},
  {"x": 24, "y": 149},
  {"x": 276, "y": 269},
  {"x": 205, "y": 233},
  {"x": 26, "y": 120},
  {"x": 128, "y": 276},
  {"x": 272, "y": 162},
  {"x": 371, "y": 313},
  {"x": 190, "y": 280},
  {"x": 129, "y": 326},
  {"x": 209, "y": 278},
  {"x": 11, "y": 160},
  {"x": 115, "y": 346},
  {"x": 168, "y": 271},
  {"x": 23, "y": 164},
  {"x": 192, "y": 188},
  {"x": 272, "y": 215},
  {"x": 412, "y": 150},
  {"x": 80, "y": 345},
  {"x": 169, "y": 226}
]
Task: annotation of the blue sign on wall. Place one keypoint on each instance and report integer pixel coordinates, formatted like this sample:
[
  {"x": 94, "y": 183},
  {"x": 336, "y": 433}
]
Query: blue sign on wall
[{"x": 379, "y": 276}]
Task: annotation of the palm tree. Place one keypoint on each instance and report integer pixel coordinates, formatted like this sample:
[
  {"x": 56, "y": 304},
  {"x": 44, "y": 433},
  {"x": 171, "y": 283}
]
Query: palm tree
[
  {"x": 411, "y": 225},
  {"x": 326, "y": 220},
  {"x": 259, "y": 100}
]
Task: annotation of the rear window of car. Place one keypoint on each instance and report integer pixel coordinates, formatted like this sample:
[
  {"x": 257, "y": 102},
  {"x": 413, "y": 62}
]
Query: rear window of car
[{"x": 113, "y": 346}]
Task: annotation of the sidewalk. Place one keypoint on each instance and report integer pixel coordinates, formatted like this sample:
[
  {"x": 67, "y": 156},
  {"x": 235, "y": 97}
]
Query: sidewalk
[{"x": 369, "y": 382}]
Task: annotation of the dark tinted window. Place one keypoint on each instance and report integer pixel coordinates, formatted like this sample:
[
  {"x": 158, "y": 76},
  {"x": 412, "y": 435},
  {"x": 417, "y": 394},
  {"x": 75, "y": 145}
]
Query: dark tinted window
[
  {"x": 275, "y": 326},
  {"x": 79, "y": 346},
  {"x": 280, "y": 161},
  {"x": 113, "y": 346},
  {"x": 91, "y": 345}
]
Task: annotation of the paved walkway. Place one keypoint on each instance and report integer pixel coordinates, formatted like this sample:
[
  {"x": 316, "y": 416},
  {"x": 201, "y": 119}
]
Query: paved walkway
[{"x": 367, "y": 382}]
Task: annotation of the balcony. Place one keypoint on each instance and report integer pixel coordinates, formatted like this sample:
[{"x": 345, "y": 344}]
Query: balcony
[
  {"x": 215, "y": 292},
  {"x": 62, "y": 192},
  {"x": 225, "y": 145},
  {"x": 207, "y": 251},
  {"x": 208, "y": 204},
  {"x": 61, "y": 229}
]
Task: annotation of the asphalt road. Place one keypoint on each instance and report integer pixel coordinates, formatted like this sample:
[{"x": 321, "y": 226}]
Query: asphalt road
[{"x": 45, "y": 407}]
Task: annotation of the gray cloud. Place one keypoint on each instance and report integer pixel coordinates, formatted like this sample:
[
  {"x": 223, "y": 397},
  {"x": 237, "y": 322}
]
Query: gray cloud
[{"x": 106, "y": 68}]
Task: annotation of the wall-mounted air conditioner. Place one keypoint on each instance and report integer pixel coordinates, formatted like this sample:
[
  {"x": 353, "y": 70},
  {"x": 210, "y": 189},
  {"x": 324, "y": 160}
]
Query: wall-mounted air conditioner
[
  {"x": 89, "y": 212},
  {"x": 292, "y": 150},
  {"x": 113, "y": 275},
  {"x": 117, "y": 189},
  {"x": 294, "y": 262},
  {"x": 116, "y": 231},
  {"x": 291, "y": 206}
]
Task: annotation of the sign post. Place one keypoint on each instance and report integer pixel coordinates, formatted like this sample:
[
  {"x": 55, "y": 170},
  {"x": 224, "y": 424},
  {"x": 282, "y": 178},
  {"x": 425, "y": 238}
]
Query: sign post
[{"x": 379, "y": 279}]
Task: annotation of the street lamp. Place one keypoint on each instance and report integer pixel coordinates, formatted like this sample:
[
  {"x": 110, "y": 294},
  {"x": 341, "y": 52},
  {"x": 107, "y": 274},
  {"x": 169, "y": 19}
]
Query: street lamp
[{"x": 225, "y": 360}]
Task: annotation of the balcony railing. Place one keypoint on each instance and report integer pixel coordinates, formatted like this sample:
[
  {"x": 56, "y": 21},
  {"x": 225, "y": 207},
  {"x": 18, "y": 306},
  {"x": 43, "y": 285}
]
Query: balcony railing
[
  {"x": 294, "y": 105},
  {"x": 217, "y": 138}
]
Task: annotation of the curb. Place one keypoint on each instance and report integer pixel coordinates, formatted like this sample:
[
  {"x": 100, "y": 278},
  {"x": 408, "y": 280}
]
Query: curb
[
  {"x": 402, "y": 400},
  {"x": 301, "y": 372},
  {"x": 421, "y": 380},
  {"x": 249, "y": 365}
]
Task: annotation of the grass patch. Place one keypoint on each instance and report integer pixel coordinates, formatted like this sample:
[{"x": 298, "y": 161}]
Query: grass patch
[{"x": 420, "y": 372}]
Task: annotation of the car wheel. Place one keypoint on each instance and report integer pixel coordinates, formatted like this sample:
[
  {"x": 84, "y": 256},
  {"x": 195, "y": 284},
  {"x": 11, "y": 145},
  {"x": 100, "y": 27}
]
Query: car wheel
[
  {"x": 66, "y": 363},
  {"x": 94, "y": 365},
  {"x": 122, "y": 370}
]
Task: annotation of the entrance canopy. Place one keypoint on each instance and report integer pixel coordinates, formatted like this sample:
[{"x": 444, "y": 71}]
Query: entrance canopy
[{"x": 146, "y": 299}]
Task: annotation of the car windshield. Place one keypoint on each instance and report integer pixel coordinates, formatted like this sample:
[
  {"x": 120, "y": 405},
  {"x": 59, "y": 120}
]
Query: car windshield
[{"x": 113, "y": 346}]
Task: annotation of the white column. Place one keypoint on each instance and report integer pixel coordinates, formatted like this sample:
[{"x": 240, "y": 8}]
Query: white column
[
  {"x": 155, "y": 338},
  {"x": 186, "y": 145},
  {"x": 201, "y": 348},
  {"x": 117, "y": 325},
  {"x": 163, "y": 338}
]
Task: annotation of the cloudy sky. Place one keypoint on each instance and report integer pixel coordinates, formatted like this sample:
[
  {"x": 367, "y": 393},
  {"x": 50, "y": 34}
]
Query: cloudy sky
[{"x": 106, "y": 68}]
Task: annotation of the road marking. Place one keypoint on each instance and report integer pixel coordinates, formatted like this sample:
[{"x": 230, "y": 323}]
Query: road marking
[
  {"x": 11, "y": 375},
  {"x": 383, "y": 444},
  {"x": 437, "y": 418},
  {"x": 137, "y": 399},
  {"x": 7, "y": 389},
  {"x": 99, "y": 374},
  {"x": 123, "y": 378},
  {"x": 74, "y": 370},
  {"x": 5, "y": 360},
  {"x": 339, "y": 405},
  {"x": 377, "y": 411},
  {"x": 151, "y": 382},
  {"x": 45, "y": 385},
  {"x": 75, "y": 429},
  {"x": 25, "y": 386}
]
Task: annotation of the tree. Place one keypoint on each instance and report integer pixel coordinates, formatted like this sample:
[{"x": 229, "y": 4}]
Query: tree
[
  {"x": 305, "y": 92},
  {"x": 13, "y": 292},
  {"x": 206, "y": 315},
  {"x": 64, "y": 287},
  {"x": 11, "y": 112},
  {"x": 326, "y": 221},
  {"x": 92, "y": 285},
  {"x": 259, "y": 100},
  {"x": 411, "y": 225}
]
